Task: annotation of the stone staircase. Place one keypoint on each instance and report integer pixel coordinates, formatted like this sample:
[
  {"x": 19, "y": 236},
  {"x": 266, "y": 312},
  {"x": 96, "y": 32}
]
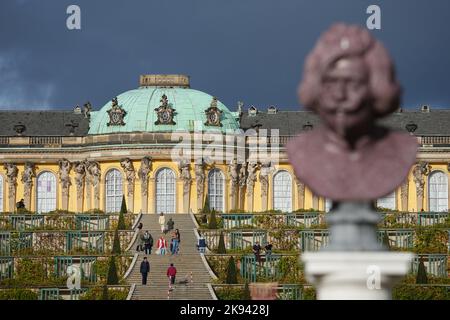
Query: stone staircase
[{"x": 187, "y": 261}]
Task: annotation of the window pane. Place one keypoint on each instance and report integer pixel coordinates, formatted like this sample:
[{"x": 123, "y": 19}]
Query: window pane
[
  {"x": 438, "y": 191},
  {"x": 387, "y": 202},
  {"x": 114, "y": 191},
  {"x": 46, "y": 192},
  {"x": 165, "y": 191},
  {"x": 216, "y": 188},
  {"x": 282, "y": 191}
]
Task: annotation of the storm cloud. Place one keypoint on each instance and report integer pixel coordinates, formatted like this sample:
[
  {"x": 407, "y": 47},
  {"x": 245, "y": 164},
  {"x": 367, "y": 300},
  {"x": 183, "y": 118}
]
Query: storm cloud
[{"x": 249, "y": 50}]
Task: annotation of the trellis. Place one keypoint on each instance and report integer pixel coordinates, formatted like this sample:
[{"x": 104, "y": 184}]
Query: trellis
[
  {"x": 49, "y": 294},
  {"x": 91, "y": 241},
  {"x": 231, "y": 221},
  {"x": 5, "y": 243},
  {"x": 267, "y": 267},
  {"x": 313, "y": 240},
  {"x": 84, "y": 263},
  {"x": 244, "y": 239},
  {"x": 6, "y": 268},
  {"x": 403, "y": 239},
  {"x": 435, "y": 264},
  {"x": 92, "y": 222},
  {"x": 432, "y": 218}
]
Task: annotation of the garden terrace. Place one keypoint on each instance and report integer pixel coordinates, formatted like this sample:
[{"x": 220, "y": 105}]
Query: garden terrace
[
  {"x": 276, "y": 220},
  {"x": 53, "y": 242},
  {"x": 51, "y": 271},
  {"x": 283, "y": 291},
  {"x": 56, "y": 221}
]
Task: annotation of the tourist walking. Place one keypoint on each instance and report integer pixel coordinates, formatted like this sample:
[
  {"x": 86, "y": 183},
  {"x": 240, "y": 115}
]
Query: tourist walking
[
  {"x": 174, "y": 244},
  {"x": 268, "y": 249},
  {"x": 162, "y": 221},
  {"x": 140, "y": 238},
  {"x": 171, "y": 274},
  {"x": 145, "y": 270},
  {"x": 161, "y": 245},
  {"x": 148, "y": 242}
]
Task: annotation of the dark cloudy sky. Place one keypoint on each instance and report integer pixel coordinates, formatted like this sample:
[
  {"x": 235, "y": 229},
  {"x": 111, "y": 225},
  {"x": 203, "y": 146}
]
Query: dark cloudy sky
[{"x": 249, "y": 50}]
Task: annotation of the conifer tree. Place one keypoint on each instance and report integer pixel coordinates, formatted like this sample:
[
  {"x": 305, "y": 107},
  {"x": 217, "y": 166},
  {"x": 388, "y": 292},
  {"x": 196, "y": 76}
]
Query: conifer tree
[
  {"x": 221, "y": 248},
  {"x": 112, "y": 278},
  {"x": 231, "y": 272},
  {"x": 116, "y": 243}
]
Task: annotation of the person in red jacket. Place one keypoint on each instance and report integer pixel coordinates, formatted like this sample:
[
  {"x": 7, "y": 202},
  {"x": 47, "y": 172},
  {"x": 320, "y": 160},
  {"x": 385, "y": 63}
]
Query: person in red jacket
[{"x": 171, "y": 274}]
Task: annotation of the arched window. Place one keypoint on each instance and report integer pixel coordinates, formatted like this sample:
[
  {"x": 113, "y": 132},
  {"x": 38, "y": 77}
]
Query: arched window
[
  {"x": 165, "y": 191},
  {"x": 388, "y": 202},
  {"x": 438, "y": 191},
  {"x": 114, "y": 190},
  {"x": 216, "y": 188},
  {"x": 1, "y": 193},
  {"x": 46, "y": 192},
  {"x": 282, "y": 191}
]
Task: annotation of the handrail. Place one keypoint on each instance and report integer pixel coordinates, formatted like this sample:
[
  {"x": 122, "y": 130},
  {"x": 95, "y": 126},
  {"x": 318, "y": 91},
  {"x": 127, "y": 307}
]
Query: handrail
[
  {"x": 130, "y": 293},
  {"x": 211, "y": 291},
  {"x": 131, "y": 267}
]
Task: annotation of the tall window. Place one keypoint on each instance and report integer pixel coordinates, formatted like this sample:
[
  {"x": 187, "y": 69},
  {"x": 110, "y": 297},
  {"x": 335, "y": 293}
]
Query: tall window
[
  {"x": 388, "y": 202},
  {"x": 1, "y": 193},
  {"x": 114, "y": 190},
  {"x": 328, "y": 205},
  {"x": 282, "y": 191},
  {"x": 165, "y": 191},
  {"x": 438, "y": 191},
  {"x": 216, "y": 183},
  {"x": 46, "y": 192}
]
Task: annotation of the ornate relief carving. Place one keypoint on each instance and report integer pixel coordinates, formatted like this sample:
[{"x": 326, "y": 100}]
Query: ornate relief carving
[
  {"x": 185, "y": 176},
  {"x": 213, "y": 114},
  {"x": 233, "y": 171},
  {"x": 404, "y": 190},
  {"x": 251, "y": 177},
  {"x": 420, "y": 170},
  {"x": 165, "y": 112},
  {"x": 242, "y": 176},
  {"x": 300, "y": 187},
  {"x": 264, "y": 173},
  {"x": 27, "y": 178},
  {"x": 64, "y": 175},
  {"x": 11, "y": 176},
  {"x": 80, "y": 173},
  {"x": 143, "y": 173},
  {"x": 130, "y": 174},
  {"x": 116, "y": 114},
  {"x": 93, "y": 176},
  {"x": 200, "y": 178}
]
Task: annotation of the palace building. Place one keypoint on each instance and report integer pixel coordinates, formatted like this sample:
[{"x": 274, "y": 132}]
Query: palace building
[{"x": 84, "y": 159}]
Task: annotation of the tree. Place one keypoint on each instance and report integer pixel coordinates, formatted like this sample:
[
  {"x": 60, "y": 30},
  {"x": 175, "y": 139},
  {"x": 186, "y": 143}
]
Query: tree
[
  {"x": 221, "y": 248},
  {"x": 112, "y": 278},
  {"x": 116, "y": 243},
  {"x": 123, "y": 207},
  {"x": 246, "y": 293},
  {"x": 205, "y": 210},
  {"x": 421, "y": 273},
  {"x": 212, "y": 220},
  {"x": 231, "y": 272}
]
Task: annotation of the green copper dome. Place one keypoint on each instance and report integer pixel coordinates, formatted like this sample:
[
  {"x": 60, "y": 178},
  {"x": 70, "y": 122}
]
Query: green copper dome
[{"x": 140, "y": 116}]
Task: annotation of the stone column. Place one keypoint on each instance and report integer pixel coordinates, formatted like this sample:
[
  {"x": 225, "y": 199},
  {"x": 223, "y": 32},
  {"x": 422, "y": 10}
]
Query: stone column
[
  {"x": 143, "y": 172},
  {"x": 404, "y": 190},
  {"x": 130, "y": 177},
  {"x": 152, "y": 205},
  {"x": 185, "y": 176},
  {"x": 199, "y": 184},
  {"x": 27, "y": 180},
  {"x": 300, "y": 194},
  {"x": 242, "y": 185},
  {"x": 11, "y": 176},
  {"x": 64, "y": 180},
  {"x": 80, "y": 176}
]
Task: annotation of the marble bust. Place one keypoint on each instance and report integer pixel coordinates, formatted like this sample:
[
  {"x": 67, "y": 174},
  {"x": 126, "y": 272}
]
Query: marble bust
[{"x": 349, "y": 81}]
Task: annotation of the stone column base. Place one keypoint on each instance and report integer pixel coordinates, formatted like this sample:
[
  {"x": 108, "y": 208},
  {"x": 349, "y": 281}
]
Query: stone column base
[{"x": 355, "y": 275}]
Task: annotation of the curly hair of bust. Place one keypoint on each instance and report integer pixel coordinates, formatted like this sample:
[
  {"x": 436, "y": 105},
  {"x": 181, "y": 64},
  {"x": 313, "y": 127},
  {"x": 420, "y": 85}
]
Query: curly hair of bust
[{"x": 345, "y": 42}]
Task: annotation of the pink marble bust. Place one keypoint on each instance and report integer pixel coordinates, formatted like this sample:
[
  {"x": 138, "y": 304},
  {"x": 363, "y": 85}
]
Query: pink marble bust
[{"x": 349, "y": 81}]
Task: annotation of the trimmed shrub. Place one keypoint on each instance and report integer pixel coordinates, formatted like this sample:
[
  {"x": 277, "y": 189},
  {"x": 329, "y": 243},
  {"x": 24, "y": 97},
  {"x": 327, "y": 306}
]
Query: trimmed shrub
[
  {"x": 212, "y": 220},
  {"x": 221, "y": 248},
  {"x": 116, "y": 243},
  {"x": 112, "y": 278},
  {"x": 123, "y": 207},
  {"x": 105, "y": 293},
  {"x": 18, "y": 294},
  {"x": 231, "y": 272},
  {"x": 246, "y": 293},
  {"x": 421, "y": 273}
]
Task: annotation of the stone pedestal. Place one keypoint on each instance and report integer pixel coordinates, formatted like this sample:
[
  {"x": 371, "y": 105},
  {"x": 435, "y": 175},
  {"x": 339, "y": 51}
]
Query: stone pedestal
[{"x": 355, "y": 275}]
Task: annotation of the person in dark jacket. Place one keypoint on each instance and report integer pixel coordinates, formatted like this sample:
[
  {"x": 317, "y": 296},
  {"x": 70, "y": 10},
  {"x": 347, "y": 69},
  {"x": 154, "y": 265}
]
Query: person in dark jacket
[
  {"x": 148, "y": 242},
  {"x": 145, "y": 270},
  {"x": 170, "y": 225}
]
